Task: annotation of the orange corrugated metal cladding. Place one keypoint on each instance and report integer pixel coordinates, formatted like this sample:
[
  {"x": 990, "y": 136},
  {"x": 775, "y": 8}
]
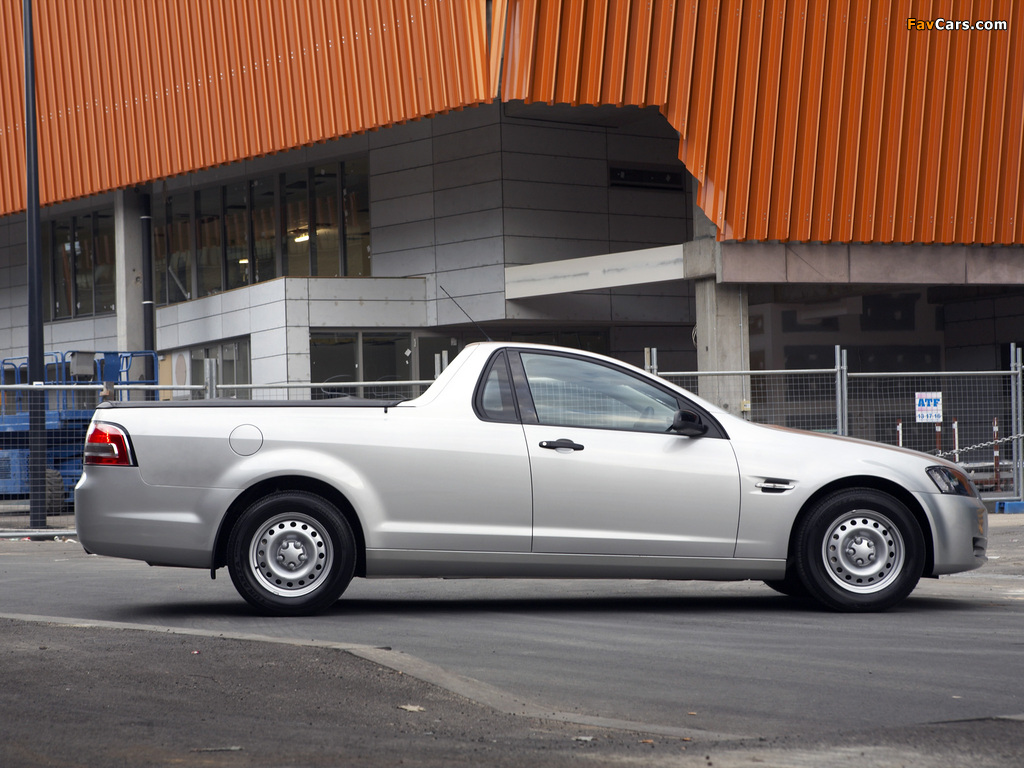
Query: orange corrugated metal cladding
[
  {"x": 134, "y": 90},
  {"x": 803, "y": 120},
  {"x": 807, "y": 120}
]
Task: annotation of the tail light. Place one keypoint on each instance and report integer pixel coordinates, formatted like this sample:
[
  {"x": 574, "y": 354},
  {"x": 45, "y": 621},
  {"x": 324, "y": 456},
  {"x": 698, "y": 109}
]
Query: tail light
[{"x": 107, "y": 445}]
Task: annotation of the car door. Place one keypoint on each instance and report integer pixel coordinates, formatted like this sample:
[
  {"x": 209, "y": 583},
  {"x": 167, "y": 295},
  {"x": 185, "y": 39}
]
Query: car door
[{"x": 608, "y": 476}]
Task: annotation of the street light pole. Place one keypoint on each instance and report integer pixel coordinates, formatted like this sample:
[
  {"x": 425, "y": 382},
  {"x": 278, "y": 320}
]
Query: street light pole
[{"x": 36, "y": 366}]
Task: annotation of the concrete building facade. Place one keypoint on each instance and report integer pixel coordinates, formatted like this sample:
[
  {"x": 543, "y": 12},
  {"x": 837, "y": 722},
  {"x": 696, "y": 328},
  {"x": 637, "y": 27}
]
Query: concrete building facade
[{"x": 621, "y": 210}]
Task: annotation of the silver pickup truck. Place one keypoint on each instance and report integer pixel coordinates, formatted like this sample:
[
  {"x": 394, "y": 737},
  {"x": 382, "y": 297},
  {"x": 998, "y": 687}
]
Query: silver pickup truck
[{"x": 518, "y": 461}]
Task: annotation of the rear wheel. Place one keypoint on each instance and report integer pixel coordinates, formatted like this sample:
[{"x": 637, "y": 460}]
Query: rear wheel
[
  {"x": 291, "y": 553},
  {"x": 859, "y": 550},
  {"x": 55, "y": 492}
]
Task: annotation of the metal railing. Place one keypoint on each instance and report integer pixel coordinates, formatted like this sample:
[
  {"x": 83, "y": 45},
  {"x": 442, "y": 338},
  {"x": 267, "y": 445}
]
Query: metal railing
[{"x": 370, "y": 390}]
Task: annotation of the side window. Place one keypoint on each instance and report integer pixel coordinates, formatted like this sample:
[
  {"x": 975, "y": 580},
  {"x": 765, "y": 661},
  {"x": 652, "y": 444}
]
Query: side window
[
  {"x": 579, "y": 393},
  {"x": 494, "y": 399}
]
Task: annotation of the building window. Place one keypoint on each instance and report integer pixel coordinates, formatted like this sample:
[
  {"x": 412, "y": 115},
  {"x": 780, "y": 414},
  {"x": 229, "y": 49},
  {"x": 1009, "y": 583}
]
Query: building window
[
  {"x": 63, "y": 269},
  {"x": 210, "y": 241},
  {"x": 356, "y": 204},
  {"x": 236, "y": 226},
  {"x": 264, "y": 228},
  {"x": 374, "y": 357},
  {"x": 310, "y": 222},
  {"x": 326, "y": 219},
  {"x": 295, "y": 216},
  {"x": 83, "y": 266},
  {"x": 327, "y": 244},
  {"x": 234, "y": 364},
  {"x": 79, "y": 265},
  {"x": 104, "y": 268},
  {"x": 172, "y": 249},
  {"x": 187, "y": 367}
]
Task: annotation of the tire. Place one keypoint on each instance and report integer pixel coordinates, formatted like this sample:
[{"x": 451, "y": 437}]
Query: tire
[
  {"x": 859, "y": 550},
  {"x": 55, "y": 493},
  {"x": 291, "y": 553}
]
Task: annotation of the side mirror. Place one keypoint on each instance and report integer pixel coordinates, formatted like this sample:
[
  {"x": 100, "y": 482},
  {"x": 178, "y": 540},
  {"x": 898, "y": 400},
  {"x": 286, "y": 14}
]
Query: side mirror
[{"x": 688, "y": 424}]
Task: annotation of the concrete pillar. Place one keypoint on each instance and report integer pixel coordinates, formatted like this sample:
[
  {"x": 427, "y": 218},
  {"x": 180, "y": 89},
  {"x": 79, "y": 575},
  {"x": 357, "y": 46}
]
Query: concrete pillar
[
  {"x": 128, "y": 209},
  {"x": 723, "y": 344},
  {"x": 722, "y": 332}
]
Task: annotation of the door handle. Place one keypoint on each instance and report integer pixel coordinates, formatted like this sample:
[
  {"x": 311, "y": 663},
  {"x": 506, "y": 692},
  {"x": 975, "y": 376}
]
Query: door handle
[{"x": 562, "y": 443}]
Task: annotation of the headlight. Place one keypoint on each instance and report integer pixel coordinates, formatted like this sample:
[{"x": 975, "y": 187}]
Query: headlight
[{"x": 949, "y": 480}]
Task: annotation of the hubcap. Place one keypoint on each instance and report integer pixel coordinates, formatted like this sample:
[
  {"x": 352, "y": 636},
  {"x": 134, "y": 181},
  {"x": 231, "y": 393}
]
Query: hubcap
[
  {"x": 863, "y": 552},
  {"x": 290, "y": 555}
]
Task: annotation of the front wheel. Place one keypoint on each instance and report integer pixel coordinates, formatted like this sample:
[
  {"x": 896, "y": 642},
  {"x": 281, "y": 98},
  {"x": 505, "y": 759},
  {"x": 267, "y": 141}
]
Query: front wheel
[
  {"x": 291, "y": 553},
  {"x": 859, "y": 550}
]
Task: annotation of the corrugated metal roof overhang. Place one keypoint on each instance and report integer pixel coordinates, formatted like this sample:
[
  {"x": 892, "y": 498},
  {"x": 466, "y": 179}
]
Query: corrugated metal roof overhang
[
  {"x": 806, "y": 120},
  {"x": 803, "y": 120},
  {"x": 129, "y": 90}
]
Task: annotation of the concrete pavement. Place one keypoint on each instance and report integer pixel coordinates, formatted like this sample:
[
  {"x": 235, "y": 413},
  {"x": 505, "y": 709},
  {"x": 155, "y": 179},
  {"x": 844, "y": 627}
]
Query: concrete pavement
[{"x": 91, "y": 693}]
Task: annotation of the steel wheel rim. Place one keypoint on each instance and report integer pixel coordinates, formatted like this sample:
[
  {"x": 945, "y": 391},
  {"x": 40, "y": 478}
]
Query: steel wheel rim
[
  {"x": 291, "y": 554},
  {"x": 863, "y": 552}
]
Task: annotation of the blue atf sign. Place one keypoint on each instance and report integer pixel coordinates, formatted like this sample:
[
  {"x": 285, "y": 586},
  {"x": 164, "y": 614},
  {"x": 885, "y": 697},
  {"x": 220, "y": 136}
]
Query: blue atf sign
[{"x": 929, "y": 407}]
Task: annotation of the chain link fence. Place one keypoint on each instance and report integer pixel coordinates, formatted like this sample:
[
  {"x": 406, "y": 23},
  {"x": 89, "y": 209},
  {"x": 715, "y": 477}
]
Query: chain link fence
[
  {"x": 975, "y": 419},
  {"x": 67, "y": 410},
  {"x": 889, "y": 409},
  {"x": 798, "y": 399},
  {"x": 972, "y": 418}
]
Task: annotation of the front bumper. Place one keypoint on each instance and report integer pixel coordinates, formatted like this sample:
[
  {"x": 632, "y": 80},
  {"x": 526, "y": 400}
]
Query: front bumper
[{"x": 959, "y": 532}]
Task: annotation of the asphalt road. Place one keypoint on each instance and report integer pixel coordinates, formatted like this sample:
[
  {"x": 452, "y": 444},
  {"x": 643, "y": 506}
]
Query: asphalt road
[{"x": 112, "y": 662}]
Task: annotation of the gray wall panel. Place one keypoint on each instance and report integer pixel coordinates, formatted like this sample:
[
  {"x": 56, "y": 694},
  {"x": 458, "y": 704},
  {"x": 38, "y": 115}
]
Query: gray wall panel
[
  {"x": 476, "y": 225},
  {"x": 484, "y": 252},
  {"x": 552, "y": 196},
  {"x": 401, "y": 237},
  {"x": 645, "y": 231},
  {"x": 556, "y": 224},
  {"x": 475, "y": 141},
  {"x": 414, "y": 261},
  {"x": 403, "y": 210},
  {"x": 469, "y": 197},
  {"x": 563, "y": 140},
  {"x": 468, "y": 170},
  {"x": 648, "y": 202},
  {"x": 402, "y": 156},
  {"x": 408, "y": 181},
  {"x": 537, "y": 250},
  {"x": 558, "y": 169}
]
